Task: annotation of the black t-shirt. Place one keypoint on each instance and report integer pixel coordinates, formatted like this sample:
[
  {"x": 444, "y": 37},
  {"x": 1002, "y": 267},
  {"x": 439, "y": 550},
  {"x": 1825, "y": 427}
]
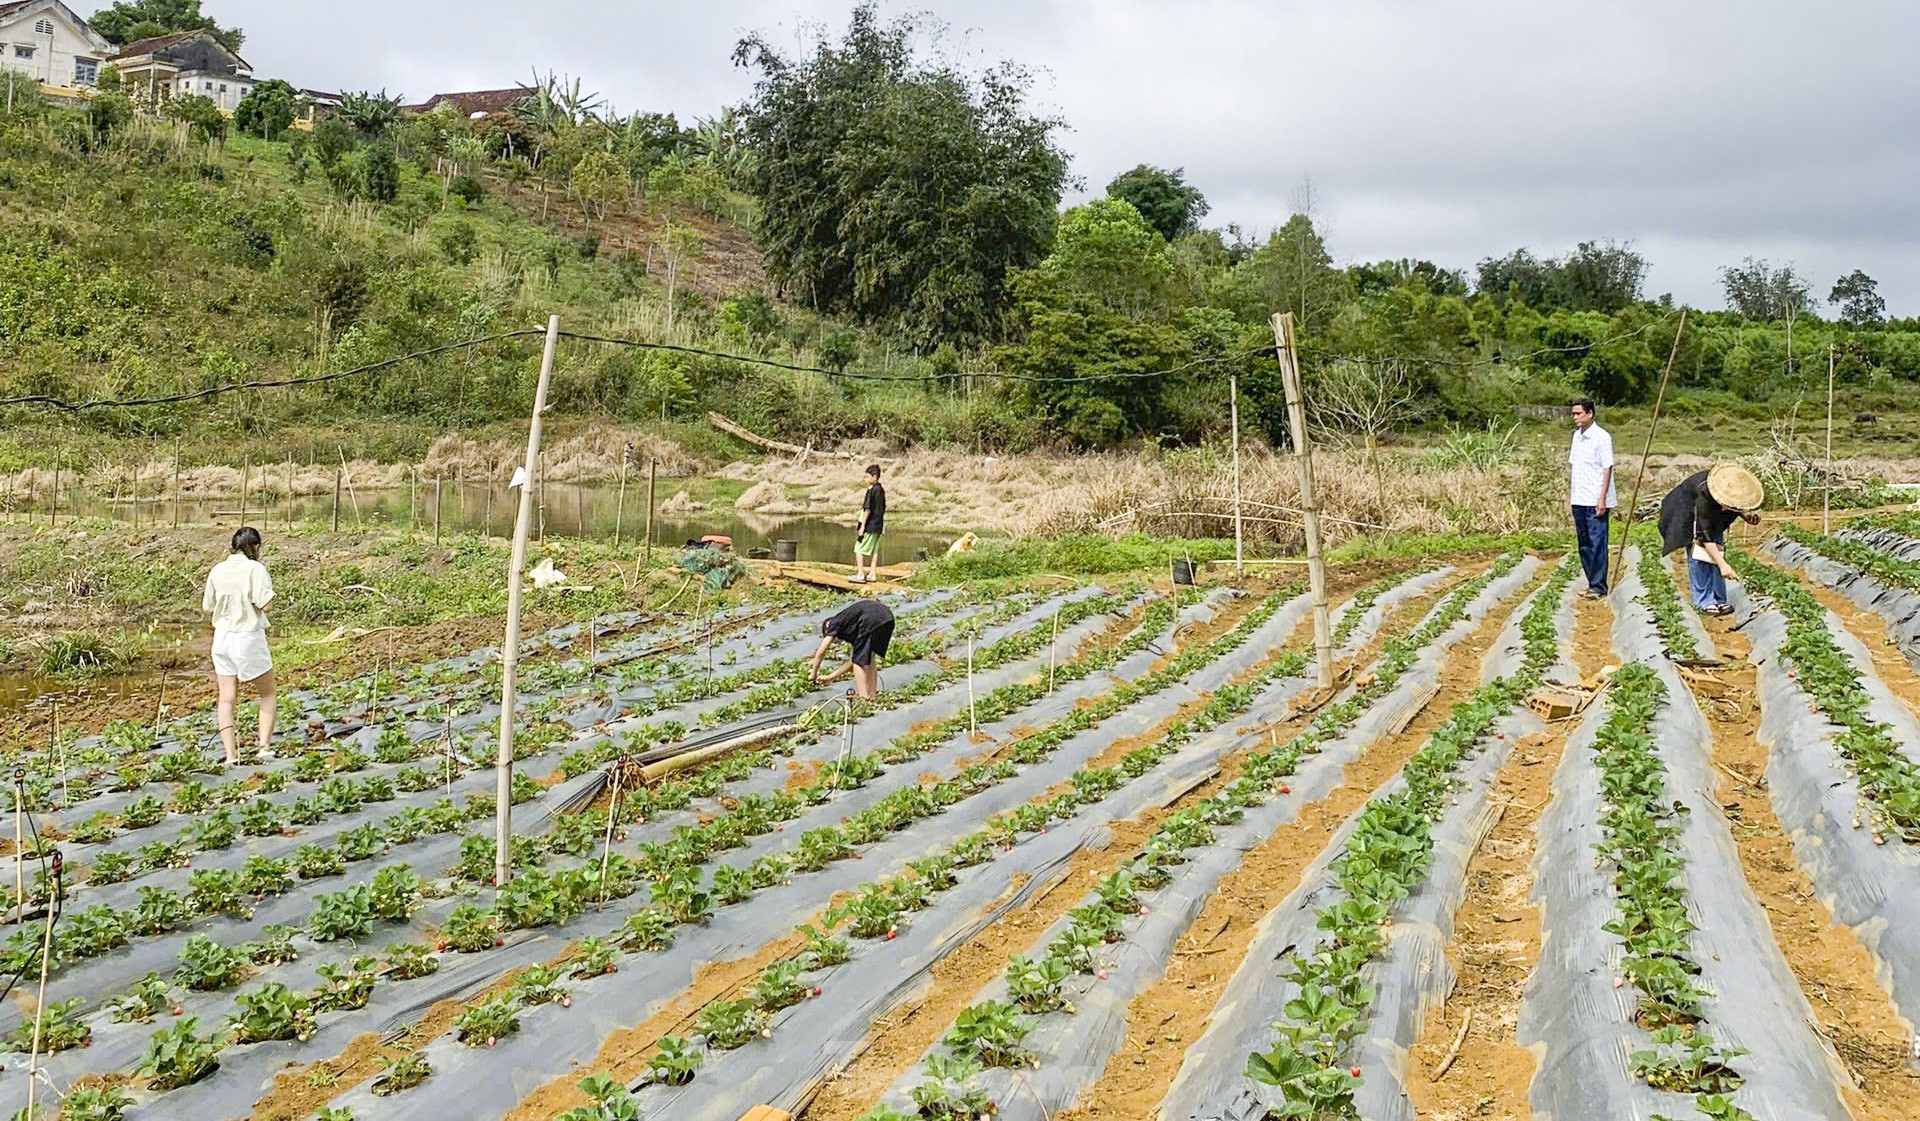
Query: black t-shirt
[
  {"x": 873, "y": 509},
  {"x": 866, "y": 625},
  {"x": 1689, "y": 515}
]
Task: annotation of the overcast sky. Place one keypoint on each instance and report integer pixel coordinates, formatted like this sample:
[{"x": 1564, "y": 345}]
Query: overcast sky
[{"x": 1701, "y": 132}]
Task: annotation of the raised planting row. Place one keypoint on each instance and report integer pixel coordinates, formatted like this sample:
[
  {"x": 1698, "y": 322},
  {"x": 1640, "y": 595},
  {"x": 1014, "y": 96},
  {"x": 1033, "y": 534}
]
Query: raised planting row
[
  {"x": 235, "y": 891},
  {"x": 1035, "y": 1039},
  {"x": 1835, "y": 685},
  {"x": 1840, "y": 772},
  {"x": 1680, "y": 633},
  {"x": 534, "y": 900},
  {"x": 895, "y": 833},
  {"x": 1309, "y": 1066},
  {"x": 1867, "y": 566}
]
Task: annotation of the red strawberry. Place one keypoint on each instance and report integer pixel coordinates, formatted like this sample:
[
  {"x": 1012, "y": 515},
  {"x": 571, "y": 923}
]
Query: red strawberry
[
  {"x": 177, "y": 1010},
  {"x": 1355, "y": 1071},
  {"x": 1285, "y": 789},
  {"x": 1103, "y": 974},
  {"x": 816, "y": 990}
]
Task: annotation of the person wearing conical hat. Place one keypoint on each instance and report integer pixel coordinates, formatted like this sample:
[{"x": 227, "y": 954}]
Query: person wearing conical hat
[{"x": 1695, "y": 516}]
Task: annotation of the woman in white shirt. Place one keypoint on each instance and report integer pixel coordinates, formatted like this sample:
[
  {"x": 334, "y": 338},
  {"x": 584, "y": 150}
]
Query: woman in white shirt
[{"x": 239, "y": 594}]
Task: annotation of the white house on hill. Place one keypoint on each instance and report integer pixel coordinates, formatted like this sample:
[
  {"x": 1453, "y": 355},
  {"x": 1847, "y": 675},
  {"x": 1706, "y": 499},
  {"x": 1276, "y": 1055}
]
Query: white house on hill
[
  {"x": 46, "y": 41},
  {"x": 155, "y": 70}
]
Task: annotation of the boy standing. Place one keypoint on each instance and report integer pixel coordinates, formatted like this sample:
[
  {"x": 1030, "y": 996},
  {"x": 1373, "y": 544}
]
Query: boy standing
[{"x": 873, "y": 522}]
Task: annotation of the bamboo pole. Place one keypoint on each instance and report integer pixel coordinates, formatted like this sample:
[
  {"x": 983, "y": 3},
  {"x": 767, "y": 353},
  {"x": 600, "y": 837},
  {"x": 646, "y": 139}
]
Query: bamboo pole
[
  {"x": 436, "y": 511},
  {"x": 176, "y": 482},
  {"x": 1826, "y": 493},
  {"x": 413, "y": 500},
  {"x": 1653, "y": 425},
  {"x": 289, "y": 493},
  {"x": 1053, "y": 648},
  {"x": 352, "y": 496},
  {"x": 336, "y": 499},
  {"x": 620, "y": 503},
  {"x": 1309, "y": 502},
  {"x": 653, "y": 466},
  {"x": 510, "y": 648},
  {"x": 973, "y": 719},
  {"x": 1239, "y": 539},
  {"x": 54, "y": 512},
  {"x": 246, "y": 471}
]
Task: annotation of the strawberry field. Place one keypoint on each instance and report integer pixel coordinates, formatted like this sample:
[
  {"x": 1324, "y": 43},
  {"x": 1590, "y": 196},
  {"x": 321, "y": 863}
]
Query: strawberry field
[{"x": 1099, "y": 850}]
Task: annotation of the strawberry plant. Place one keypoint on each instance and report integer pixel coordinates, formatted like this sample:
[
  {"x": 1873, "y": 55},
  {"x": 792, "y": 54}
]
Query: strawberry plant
[
  {"x": 409, "y": 960},
  {"x": 611, "y": 1102},
  {"x": 307, "y": 811},
  {"x": 100, "y": 1102},
  {"x": 1035, "y": 984},
  {"x": 192, "y": 798},
  {"x": 213, "y": 891},
  {"x": 273, "y": 947},
  {"x": 90, "y": 933},
  {"x": 149, "y": 997},
  {"x": 260, "y": 818},
  {"x": 731, "y": 885},
  {"x": 206, "y": 965},
  {"x": 989, "y": 1033},
  {"x": 401, "y": 1073},
  {"x": 312, "y": 861},
  {"x": 360, "y": 843},
  {"x": 58, "y": 1029},
  {"x": 216, "y": 830},
  {"x": 470, "y": 929},
  {"x": 674, "y": 1063},
  {"x": 488, "y": 1022},
  {"x": 822, "y": 950},
  {"x": 395, "y": 892},
  {"x": 341, "y": 914},
  {"x": 175, "y": 1056},
  {"x": 110, "y": 868},
  {"x": 779, "y": 986},
  {"x": 345, "y": 985},
  {"x": 272, "y": 1011},
  {"x": 592, "y": 957},
  {"x": 728, "y": 1024},
  {"x": 540, "y": 984},
  {"x": 97, "y": 829},
  {"x": 681, "y": 894},
  {"x": 142, "y": 812},
  {"x": 262, "y": 876},
  {"x": 949, "y": 1094},
  {"x": 1684, "y": 1060}
]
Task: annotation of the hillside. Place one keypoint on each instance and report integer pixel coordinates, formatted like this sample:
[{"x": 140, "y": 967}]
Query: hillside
[{"x": 154, "y": 263}]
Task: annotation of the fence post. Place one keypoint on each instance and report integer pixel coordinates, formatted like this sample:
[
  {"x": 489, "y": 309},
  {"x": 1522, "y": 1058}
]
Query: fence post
[
  {"x": 652, "y": 466},
  {"x": 1309, "y": 503},
  {"x": 336, "y": 498},
  {"x": 436, "y": 511},
  {"x": 510, "y": 648},
  {"x": 620, "y": 504}
]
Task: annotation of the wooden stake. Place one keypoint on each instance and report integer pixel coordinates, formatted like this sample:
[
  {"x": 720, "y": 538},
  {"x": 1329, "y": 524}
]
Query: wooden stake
[
  {"x": 973, "y": 719},
  {"x": 606, "y": 848},
  {"x": 620, "y": 504},
  {"x": 1309, "y": 503},
  {"x": 289, "y": 493},
  {"x": 510, "y": 648},
  {"x": 337, "y": 471},
  {"x": 176, "y": 482},
  {"x": 1826, "y": 494},
  {"x": 653, "y": 465},
  {"x": 1239, "y": 551},
  {"x": 1620, "y": 550},
  {"x": 1053, "y": 648},
  {"x": 246, "y": 470},
  {"x": 436, "y": 511},
  {"x": 55, "y": 513},
  {"x": 413, "y": 500},
  {"x": 351, "y": 496}
]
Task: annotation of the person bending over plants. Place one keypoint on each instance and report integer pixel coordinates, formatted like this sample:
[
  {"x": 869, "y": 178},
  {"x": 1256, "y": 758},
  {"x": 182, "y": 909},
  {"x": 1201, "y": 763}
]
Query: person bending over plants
[{"x": 866, "y": 627}]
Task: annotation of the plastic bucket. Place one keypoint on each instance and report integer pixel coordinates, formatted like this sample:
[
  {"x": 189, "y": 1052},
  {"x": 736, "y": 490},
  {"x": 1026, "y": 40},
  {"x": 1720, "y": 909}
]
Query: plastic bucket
[{"x": 786, "y": 549}]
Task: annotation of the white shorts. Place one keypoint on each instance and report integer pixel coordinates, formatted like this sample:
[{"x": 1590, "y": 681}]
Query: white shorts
[{"x": 241, "y": 654}]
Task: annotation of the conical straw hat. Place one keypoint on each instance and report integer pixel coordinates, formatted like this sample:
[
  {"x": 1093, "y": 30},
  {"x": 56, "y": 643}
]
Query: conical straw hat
[{"x": 1735, "y": 487}]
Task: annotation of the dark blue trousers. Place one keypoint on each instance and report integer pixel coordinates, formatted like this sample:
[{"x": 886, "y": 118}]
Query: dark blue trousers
[{"x": 1591, "y": 532}]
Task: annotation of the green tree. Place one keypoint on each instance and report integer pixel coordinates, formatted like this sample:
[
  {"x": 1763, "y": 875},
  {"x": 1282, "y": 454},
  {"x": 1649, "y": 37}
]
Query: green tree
[
  {"x": 1859, "y": 298},
  {"x": 1596, "y": 276},
  {"x": 1162, "y": 197},
  {"x": 108, "y": 113},
  {"x": 369, "y": 114},
  {"x": 380, "y": 173},
  {"x": 1764, "y": 293},
  {"x": 897, "y": 190},
  {"x": 129, "y": 20},
  {"x": 1380, "y": 276},
  {"x": 1291, "y": 272},
  {"x": 206, "y": 120},
  {"x": 600, "y": 182},
  {"x": 1107, "y": 252},
  {"x": 266, "y": 111}
]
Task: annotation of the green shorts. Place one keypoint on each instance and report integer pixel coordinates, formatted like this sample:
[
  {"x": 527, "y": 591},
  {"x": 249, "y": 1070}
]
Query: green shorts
[{"x": 867, "y": 544}]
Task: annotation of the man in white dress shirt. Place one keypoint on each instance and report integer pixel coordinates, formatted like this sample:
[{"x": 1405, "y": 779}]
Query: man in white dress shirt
[{"x": 1590, "y": 463}]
